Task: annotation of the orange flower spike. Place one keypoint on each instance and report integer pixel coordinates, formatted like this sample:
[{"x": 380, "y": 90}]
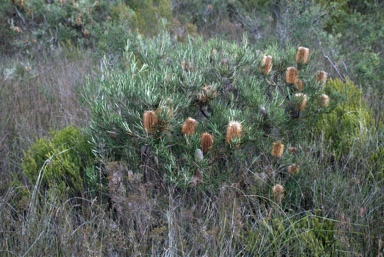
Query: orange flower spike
[
  {"x": 206, "y": 142},
  {"x": 189, "y": 127}
]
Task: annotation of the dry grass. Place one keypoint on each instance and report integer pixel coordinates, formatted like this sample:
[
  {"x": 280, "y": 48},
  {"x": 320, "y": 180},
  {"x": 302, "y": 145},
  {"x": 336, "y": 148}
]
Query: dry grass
[{"x": 38, "y": 96}]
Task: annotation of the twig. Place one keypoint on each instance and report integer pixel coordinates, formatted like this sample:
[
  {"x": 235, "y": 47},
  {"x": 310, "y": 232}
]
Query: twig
[
  {"x": 48, "y": 161},
  {"x": 334, "y": 66},
  {"x": 37, "y": 239},
  {"x": 21, "y": 17}
]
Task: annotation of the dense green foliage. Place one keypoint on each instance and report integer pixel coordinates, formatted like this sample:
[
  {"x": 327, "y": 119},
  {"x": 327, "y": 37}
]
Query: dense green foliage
[
  {"x": 59, "y": 162},
  {"x": 350, "y": 122},
  {"x": 173, "y": 81}
]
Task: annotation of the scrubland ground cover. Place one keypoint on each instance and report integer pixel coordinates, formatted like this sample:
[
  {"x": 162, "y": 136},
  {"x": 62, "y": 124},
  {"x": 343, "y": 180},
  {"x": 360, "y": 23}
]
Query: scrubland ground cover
[{"x": 191, "y": 128}]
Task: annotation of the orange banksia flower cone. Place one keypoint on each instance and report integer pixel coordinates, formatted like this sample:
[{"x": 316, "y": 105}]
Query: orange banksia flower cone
[
  {"x": 291, "y": 75},
  {"x": 233, "y": 131},
  {"x": 324, "y": 100},
  {"x": 278, "y": 191},
  {"x": 266, "y": 64},
  {"x": 302, "y": 98},
  {"x": 189, "y": 127},
  {"x": 206, "y": 142},
  {"x": 298, "y": 85},
  {"x": 322, "y": 77},
  {"x": 302, "y": 55},
  {"x": 277, "y": 149},
  {"x": 150, "y": 121},
  {"x": 293, "y": 169}
]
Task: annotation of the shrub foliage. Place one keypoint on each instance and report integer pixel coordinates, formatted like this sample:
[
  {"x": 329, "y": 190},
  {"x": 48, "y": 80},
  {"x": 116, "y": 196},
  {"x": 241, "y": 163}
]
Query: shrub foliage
[{"x": 59, "y": 162}]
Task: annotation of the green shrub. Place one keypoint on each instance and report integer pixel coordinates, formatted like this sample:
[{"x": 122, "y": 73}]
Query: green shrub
[
  {"x": 148, "y": 15},
  {"x": 350, "y": 122},
  {"x": 59, "y": 162},
  {"x": 214, "y": 82}
]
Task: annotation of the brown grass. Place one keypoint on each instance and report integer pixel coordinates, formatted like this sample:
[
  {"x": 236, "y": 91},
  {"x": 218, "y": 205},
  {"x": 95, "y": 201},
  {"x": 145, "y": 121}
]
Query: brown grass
[{"x": 38, "y": 96}]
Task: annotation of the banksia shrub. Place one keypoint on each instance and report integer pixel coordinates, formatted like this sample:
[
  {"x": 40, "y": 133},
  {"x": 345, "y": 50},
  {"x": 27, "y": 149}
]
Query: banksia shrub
[
  {"x": 189, "y": 127},
  {"x": 322, "y": 77},
  {"x": 302, "y": 55},
  {"x": 206, "y": 142},
  {"x": 150, "y": 121},
  {"x": 233, "y": 131},
  {"x": 211, "y": 94},
  {"x": 291, "y": 75},
  {"x": 277, "y": 149},
  {"x": 266, "y": 64}
]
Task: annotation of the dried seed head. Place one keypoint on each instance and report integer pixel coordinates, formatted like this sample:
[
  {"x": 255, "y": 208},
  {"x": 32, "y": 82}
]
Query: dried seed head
[
  {"x": 85, "y": 33},
  {"x": 186, "y": 66},
  {"x": 302, "y": 55},
  {"x": 324, "y": 100},
  {"x": 206, "y": 142},
  {"x": 302, "y": 98},
  {"x": 164, "y": 114},
  {"x": 266, "y": 64},
  {"x": 293, "y": 169},
  {"x": 189, "y": 127},
  {"x": 17, "y": 29},
  {"x": 277, "y": 149},
  {"x": 277, "y": 189},
  {"x": 361, "y": 211},
  {"x": 207, "y": 94},
  {"x": 299, "y": 85},
  {"x": 292, "y": 150},
  {"x": 322, "y": 77},
  {"x": 150, "y": 121},
  {"x": 78, "y": 21},
  {"x": 291, "y": 75},
  {"x": 233, "y": 131}
]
